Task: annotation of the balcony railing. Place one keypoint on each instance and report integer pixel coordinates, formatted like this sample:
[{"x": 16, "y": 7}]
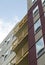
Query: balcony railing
[{"x": 20, "y": 38}]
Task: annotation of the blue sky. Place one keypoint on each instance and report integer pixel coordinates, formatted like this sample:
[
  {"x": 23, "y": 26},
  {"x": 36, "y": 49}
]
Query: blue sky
[{"x": 11, "y": 12}]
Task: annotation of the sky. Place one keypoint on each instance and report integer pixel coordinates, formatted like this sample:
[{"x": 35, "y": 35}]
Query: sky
[{"x": 11, "y": 12}]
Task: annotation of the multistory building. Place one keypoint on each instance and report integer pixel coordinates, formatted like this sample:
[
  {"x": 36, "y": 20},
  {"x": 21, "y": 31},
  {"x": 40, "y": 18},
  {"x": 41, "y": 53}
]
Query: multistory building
[
  {"x": 25, "y": 44},
  {"x": 36, "y": 32}
]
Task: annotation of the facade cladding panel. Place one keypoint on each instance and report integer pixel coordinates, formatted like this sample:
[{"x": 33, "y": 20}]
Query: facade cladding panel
[{"x": 31, "y": 36}]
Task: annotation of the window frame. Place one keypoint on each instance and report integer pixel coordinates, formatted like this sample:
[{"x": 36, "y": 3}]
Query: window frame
[
  {"x": 39, "y": 26},
  {"x": 43, "y": 2},
  {"x": 33, "y": 1},
  {"x": 41, "y": 51},
  {"x": 35, "y": 11}
]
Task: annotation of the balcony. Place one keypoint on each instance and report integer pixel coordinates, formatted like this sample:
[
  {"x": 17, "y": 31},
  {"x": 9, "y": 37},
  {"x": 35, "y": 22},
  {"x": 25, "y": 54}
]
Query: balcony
[
  {"x": 20, "y": 25},
  {"x": 21, "y": 55},
  {"x": 20, "y": 36}
]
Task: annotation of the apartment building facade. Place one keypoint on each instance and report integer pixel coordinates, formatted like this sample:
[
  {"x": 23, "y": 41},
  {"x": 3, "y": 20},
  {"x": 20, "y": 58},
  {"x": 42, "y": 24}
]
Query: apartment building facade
[
  {"x": 25, "y": 44},
  {"x": 9, "y": 54},
  {"x": 20, "y": 45},
  {"x": 31, "y": 49},
  {"x": 36, "y": 32},
  {"x": 6, "y": 53}
]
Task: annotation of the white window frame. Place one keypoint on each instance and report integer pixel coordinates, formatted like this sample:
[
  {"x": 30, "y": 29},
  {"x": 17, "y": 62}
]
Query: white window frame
[
  {"x": 33, "y": 1},
  {"x": 37, "y": 25},
  {"x": 39, "y": 46},
  {"x": 35, "y": 11},
  {"x": 43, "y": 2}
]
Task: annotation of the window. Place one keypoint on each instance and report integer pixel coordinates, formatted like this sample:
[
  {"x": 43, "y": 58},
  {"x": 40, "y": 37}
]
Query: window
[
  {"x": 43, "y": 2},
  {"x": 33, "y": 1},
  {"x": 37, "y": 25},
  {"x": 44, "y": 14},
  {"x": 35, "y": 11},
  {"x": 39, "y": 45},
  {"x": 8, "y": 41},
  {"x": 7, "y": 54}
]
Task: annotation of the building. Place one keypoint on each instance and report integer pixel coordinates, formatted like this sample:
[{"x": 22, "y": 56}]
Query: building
[
  {"x": 20, "y": 45},
  {"x": 9, "y": 46},
  {"x": 25, "y": 44},
  {"x": 30, "y": 49},
  {"x": 36, "y": 32},
  {"x": 6, "y": 53}
]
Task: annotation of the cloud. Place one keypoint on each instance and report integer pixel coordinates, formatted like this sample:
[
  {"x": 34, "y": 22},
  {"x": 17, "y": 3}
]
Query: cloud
[{"x": 6, "y": 27}]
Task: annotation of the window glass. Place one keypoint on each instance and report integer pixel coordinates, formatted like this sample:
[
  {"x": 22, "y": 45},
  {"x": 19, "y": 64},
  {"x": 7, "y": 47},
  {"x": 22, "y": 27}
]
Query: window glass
[
  {"x": 8, "y": 40},
  {"x": 39, "y": 45},
  {"x": 35, "y": 11},
  {"x": 7, "y": 54},
  {"x": 33, "y": 1},
  {"x": 43, "y": 2},
  {"x": 37, "y": 25}
]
